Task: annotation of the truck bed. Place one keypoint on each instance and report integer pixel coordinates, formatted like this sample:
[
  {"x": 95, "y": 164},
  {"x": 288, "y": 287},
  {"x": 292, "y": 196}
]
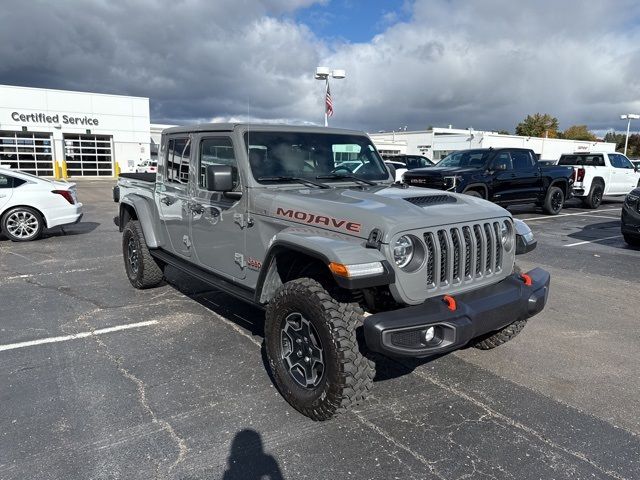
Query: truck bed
[{"x": 145, "y": 177}]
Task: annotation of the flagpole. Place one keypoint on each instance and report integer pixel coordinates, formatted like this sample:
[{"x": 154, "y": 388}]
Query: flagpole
[{"x": 326, "y": 90}]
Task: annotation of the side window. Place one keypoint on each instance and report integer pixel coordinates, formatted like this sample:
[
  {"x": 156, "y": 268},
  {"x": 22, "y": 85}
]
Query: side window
[
  {"x": 625, "y": 162},
  {"x": 178, "y": 152},
  {"x": 218, "y": 151},
  {"x": 615, "y": 160},
  {"x": 6, "y": 182},
  {"x": 521, "y": 160},
  {"x": 503, "y": 162}
]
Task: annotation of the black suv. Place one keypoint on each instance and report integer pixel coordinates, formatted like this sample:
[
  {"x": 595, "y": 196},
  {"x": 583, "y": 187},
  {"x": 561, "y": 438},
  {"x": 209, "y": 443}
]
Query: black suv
[{"x": 505, "y": 176}]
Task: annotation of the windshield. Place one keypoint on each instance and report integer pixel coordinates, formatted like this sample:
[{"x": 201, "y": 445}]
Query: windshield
[
  {"x": 466, "y": 158},
  {"x": 309, "y": 155}
]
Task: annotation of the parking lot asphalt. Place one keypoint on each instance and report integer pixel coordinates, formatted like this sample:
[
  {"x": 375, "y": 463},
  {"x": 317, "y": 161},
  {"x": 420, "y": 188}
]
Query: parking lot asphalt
[{"x": 98, "y": 380}]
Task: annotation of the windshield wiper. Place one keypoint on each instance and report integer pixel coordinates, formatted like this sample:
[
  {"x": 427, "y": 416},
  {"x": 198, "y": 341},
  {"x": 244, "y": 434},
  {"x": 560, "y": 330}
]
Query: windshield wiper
[
  {"x": 283, "y": 178},
  {"x": 345, "y": 176}
]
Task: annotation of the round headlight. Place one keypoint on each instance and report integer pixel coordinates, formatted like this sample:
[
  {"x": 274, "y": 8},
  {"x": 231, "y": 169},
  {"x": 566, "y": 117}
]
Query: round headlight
[
  {"x": 403, "y": 251},
  {"x": 506, "y": 235}
]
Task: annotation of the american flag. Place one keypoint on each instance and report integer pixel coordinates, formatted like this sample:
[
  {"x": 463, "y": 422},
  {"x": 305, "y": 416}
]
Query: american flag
[{"x": 328, "y": 102}]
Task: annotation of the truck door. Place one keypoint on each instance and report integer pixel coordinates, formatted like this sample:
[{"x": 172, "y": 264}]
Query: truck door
[
  {"x": 502, "y": 182},
  {"x": 629, "y": 180},
  {"x": 218, "y": 219},
  {"x": 527, "y": 179},
  {"x": 172, "y": 195}
]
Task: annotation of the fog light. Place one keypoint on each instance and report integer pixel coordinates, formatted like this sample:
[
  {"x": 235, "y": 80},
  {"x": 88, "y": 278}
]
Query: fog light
[{"x": 429, "y": 334}]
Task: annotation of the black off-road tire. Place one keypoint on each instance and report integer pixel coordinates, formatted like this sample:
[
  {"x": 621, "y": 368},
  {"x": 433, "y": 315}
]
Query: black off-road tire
[
  {"x": 495, "y": 339},
  {"x": 633, "y": 241},
  {"x": 347, "y": 374},
  {"x": 143, "y": 271},
  {"x": 554, "y": 201},
  {"x": 473, "y": 193},
  {"x": 594, "y": 199},
  {"x": 17, "y": 214}
]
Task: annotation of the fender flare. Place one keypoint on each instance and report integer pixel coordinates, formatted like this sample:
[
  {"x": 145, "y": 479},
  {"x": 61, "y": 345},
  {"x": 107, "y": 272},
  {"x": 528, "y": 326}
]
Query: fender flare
[
  {"x": 146, "y": 215},
  {"x": 326, "y": 250}
]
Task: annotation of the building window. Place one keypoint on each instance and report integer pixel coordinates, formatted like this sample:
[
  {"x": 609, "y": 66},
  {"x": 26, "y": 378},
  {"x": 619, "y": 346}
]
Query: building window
[
  {"x": 88, "y": 155},
  {"x": 31, "y": 152}
]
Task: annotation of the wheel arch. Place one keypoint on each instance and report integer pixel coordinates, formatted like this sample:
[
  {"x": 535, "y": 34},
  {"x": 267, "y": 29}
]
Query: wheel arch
[
  {"x": 139, "y": 208},
  {"x": 296, "y": 254},
  {"x": 4, "y": 212},
  {"x": 478, "y": 187},
  {"x": 562, "y": 184}
]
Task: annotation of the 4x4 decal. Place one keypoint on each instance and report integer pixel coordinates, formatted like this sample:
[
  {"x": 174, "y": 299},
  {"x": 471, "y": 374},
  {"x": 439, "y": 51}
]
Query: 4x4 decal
[{"x": 313, "y": 219}]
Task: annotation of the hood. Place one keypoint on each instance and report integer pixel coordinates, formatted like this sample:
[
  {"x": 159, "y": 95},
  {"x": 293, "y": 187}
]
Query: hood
[{"x": 356, "y": 211}]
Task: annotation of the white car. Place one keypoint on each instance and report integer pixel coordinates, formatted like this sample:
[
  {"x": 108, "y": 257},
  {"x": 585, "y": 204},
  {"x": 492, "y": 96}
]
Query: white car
[
  {"x": 598, "y": 174},
  {"x": 147, "y": 166},
  {"x": 29, "y": 204}
]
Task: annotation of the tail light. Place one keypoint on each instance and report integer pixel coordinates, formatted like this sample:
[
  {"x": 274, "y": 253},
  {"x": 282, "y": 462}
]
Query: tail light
[
  {"x": 580, "y": 176},
  {"x": 66, "y": 194}
]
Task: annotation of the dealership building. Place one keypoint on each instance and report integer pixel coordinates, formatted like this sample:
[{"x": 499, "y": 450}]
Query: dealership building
[
  {"x": 437, "y": 143},
  {"x": 88, "y": 132}
]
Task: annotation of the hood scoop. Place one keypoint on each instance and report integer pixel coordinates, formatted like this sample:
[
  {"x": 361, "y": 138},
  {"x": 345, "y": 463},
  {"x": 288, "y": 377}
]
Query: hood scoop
[{"x": 429, "y": 200}]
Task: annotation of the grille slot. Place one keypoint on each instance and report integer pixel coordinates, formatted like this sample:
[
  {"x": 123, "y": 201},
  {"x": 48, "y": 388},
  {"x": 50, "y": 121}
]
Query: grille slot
[
  {"x": 431, "y": 260},
  {"x": 462, "y": 254}
]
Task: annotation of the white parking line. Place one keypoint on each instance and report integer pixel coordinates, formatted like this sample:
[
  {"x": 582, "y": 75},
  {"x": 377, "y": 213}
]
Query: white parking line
[
  {"x": 551, "y": 217},
  {"x": 101, "y": 331},
  {"x": 591, "y": 241}
]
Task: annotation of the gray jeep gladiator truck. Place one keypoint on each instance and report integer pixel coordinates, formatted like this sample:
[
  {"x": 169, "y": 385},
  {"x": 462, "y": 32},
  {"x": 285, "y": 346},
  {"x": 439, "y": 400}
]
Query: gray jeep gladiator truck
[{"x": 347, "y": 266}]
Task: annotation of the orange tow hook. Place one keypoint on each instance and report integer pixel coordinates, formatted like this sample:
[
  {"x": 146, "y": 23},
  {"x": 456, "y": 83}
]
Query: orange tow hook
[
  {"x": 451, "y": 302},
  {"x": 526, "y": 279}
]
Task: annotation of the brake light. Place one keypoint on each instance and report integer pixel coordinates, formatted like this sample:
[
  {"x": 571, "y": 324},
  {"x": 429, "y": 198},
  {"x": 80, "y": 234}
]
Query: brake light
[
  {"x": 580, "y": 177},
  {"x": 66, "y": 194}
]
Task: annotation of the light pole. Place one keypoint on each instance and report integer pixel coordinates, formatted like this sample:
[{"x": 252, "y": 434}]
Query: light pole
[
  {"x": 323, "y": 73},
  {"x": 628, "y": 117}
]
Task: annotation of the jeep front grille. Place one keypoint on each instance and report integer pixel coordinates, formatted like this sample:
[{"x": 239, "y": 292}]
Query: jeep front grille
[{"x": 462, "y": 254}]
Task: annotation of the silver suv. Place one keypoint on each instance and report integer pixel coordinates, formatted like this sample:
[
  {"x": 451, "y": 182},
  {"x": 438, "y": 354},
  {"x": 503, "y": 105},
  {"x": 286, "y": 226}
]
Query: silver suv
[{"x": 346, "y": 265}]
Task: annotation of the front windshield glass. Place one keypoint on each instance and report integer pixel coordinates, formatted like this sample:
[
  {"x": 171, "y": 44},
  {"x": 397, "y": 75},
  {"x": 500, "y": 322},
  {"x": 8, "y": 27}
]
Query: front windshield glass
[
  {"x": 466, "y": 158},
  {"x": 309, "y": 155}
]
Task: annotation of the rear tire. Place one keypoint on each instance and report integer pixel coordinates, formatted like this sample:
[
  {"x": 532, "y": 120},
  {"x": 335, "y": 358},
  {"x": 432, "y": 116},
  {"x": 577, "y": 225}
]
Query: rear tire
[
  {"x": 554, "y": 201},
  {"x": 594, "y": 199},
  {"x": 313, "y": 352},
  {"x": 22, "y": 224},
  {"x": 142, "y": 269}
]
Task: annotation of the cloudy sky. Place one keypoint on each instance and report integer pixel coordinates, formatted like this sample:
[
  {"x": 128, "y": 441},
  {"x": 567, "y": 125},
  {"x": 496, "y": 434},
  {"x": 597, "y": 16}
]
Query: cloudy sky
[{"x": 484, "y": 64}]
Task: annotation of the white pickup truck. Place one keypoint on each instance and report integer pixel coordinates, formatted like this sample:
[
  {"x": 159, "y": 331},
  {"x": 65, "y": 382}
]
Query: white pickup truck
[{"x": 598, "y": 174}]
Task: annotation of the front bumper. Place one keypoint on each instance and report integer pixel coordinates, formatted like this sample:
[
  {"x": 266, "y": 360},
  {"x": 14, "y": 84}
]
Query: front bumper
[{"x": 401, "y": 332}]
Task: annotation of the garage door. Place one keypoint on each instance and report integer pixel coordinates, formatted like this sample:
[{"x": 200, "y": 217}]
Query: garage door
[
  {"x": 30, "y": 152},
  {"x": 88, "y": 155}
]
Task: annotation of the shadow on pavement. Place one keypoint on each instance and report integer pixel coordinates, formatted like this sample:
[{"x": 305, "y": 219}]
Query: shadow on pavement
[
  {"x": 251, "y": 319},
  {"x": 248, "y": 460},
  {"x": 67, "y": 230}
]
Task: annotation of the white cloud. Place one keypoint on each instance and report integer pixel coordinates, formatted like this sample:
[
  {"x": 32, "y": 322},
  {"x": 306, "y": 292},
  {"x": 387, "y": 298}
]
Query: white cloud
[{"x": 484, "y": 64}]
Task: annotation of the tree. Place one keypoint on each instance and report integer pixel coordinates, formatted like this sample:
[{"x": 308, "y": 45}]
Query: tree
[
  {"x": 503, "y": 132},
  {"x": 538, "y": 125},
  {"x": 578, "y": 132}
]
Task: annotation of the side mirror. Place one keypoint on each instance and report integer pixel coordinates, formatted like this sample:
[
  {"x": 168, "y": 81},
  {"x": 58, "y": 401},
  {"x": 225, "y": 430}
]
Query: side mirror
[{"x": 219, "y": 178}]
